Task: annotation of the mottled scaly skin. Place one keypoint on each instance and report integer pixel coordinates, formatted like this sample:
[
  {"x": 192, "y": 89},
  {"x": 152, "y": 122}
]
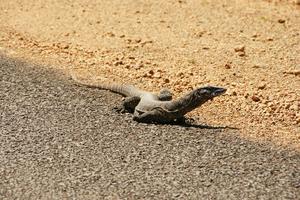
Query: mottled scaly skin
[
  {"x": 148, "y": 107},
  {"x": 135, "y": 97},
  {"x": 123, "y": 89},
  {"x": 169, "y": 111},
  {"x": 186, "y": 103}
]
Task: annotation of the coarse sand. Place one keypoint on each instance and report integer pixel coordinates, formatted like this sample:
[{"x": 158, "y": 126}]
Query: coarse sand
[{"x": 250, "y": 47}]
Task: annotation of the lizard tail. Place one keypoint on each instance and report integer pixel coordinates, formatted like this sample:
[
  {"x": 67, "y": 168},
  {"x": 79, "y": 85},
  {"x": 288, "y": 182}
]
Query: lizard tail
[{"x": 123, "y": 89}]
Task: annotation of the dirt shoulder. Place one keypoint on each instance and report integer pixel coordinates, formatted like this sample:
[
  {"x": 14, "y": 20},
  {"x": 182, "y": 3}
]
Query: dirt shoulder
[{"x": 250, "y": 48}]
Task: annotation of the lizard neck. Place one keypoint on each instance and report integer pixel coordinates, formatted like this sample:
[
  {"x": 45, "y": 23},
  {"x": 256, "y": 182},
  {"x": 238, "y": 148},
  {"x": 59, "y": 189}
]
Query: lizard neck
[{"x": 187, "y": 103}]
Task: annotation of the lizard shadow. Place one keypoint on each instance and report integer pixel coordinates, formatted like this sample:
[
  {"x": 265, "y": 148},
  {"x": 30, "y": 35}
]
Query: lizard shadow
[
  {"x": 192, "y": 123},
  {"x": 184, "y": 122},
  {"x": 204, "y": 126},
  {"x": 188, "y": 123}
]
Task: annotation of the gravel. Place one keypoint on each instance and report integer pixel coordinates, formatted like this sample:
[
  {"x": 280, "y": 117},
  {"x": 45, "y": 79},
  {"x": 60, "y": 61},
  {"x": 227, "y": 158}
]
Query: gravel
[{"x": 61, "y": 141}]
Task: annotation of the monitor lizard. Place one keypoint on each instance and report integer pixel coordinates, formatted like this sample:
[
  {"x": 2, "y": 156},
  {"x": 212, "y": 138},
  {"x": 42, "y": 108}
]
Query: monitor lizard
[{"x": 148, "y": 107}]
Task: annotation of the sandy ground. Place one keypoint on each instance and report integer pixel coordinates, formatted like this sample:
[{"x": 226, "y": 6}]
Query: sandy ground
[
  {"x": 61, "y": 141},
  {"x": 250, "y": 47}
]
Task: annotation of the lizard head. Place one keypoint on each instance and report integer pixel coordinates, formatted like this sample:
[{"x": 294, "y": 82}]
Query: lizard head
[
  {"x": 194, "y": 99},
  {"x": 209, "y": 92}
]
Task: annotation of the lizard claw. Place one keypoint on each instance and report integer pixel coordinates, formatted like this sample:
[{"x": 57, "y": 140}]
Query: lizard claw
[
  {"x": 184, "y": 120},
  {"x": 119, "y": 109},
  {"x": 135, "y": 118}
]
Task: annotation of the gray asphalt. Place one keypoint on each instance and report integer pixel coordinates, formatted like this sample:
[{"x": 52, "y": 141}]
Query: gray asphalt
[{"x": 61, "y": 141}]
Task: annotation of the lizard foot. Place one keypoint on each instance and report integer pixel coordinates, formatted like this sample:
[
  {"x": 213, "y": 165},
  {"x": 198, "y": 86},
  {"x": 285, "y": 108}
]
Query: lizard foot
[
  {"x": 119, "y": 109},
  {"x": 184, "y": 120}
]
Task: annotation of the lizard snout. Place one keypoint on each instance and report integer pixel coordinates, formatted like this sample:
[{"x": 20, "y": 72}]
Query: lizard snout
[{"x": 219, "y": 91}]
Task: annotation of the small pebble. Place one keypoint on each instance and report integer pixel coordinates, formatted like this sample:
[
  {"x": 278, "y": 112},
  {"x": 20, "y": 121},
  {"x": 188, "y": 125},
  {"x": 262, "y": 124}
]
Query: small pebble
[
  {"x": 262, "y": 86},
  {"x": 180, "y": 74},
  {"x": 110, "y": 34},
  {"x": 255, "y": 98},
  {"x": 242, "y": 54},
  {"x": 227, "y": 66},
  {"x": 151, "y": 72},
  {"x": 239, "y": 49},
  {"x": 131, "y": 57},
  {"x": 116, "y": 63},
  {"x": 166, "y": 80},
  {"x": 65, "y": 46},
  {"x": 281, "y": 21}
]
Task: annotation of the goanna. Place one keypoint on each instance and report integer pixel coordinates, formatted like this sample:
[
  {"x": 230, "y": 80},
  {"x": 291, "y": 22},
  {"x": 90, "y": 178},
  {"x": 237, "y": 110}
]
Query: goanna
[{"x": 148, "y": 107}]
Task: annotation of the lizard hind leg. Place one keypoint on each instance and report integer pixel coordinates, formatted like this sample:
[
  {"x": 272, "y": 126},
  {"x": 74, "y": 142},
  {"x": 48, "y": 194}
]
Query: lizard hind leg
[
  {"x": 165, "y": 95},
  {"x": 128, "y": 105}
]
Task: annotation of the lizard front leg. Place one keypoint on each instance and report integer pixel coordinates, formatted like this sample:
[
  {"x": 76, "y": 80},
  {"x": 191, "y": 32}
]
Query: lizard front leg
[
  {"x": 128, "y": 105},
  {"x": 165, "y": 95},
  {"x": 150, "y": 117}
]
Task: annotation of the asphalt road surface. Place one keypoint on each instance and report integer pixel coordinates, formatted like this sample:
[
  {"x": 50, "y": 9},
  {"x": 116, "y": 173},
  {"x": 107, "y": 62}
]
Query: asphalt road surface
[{"x": 61, "y": 141}]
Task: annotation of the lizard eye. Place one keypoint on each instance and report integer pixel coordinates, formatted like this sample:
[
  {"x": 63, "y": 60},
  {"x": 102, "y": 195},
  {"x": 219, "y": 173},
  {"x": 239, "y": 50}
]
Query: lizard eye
[{"x": 202, "y": 92}]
